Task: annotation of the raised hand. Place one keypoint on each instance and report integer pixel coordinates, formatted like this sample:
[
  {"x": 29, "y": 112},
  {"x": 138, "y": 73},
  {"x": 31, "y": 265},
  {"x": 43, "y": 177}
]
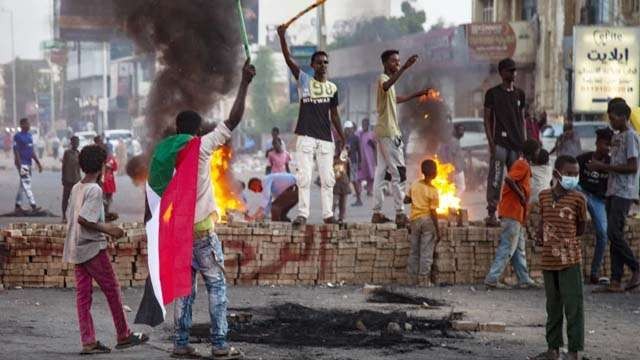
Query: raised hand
[
  {"x": 248, "y": 72},
  {"x": 410, "y": 61}
]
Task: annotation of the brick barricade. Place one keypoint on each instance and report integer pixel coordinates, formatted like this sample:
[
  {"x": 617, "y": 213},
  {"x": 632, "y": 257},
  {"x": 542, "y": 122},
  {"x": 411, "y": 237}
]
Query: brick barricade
[{"x": 265, "y": 254}]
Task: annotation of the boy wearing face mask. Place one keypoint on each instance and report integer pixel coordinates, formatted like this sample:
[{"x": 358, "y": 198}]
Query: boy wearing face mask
[
  {"x": 512, "y": 210},
  {"x": 564, "y": 212}
]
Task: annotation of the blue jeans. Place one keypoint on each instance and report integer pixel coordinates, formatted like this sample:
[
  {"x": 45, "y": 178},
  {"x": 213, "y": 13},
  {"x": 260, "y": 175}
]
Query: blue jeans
[
  {"x": 598, "y": 211},
  {"x": 208, "y": 260},
  {"x": 512, "y": 248}
]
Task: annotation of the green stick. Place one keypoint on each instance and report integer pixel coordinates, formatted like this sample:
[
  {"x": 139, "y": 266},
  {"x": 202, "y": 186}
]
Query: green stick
[{"x": 243, "y": 28}]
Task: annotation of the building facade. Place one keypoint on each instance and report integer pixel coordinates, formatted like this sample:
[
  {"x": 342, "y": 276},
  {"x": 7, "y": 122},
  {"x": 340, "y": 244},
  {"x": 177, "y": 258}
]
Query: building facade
[{"x": 554, "y": 24}]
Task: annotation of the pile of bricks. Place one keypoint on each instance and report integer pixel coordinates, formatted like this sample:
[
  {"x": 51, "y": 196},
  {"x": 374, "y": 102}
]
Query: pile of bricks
[
  {"x": 275, "y": 253},
  {"x": 31, "y": 256},
  {"x": 265, "y": 254}
]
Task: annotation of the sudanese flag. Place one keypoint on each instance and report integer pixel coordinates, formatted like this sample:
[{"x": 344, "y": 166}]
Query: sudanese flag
[{"x": 171, "y": 202}]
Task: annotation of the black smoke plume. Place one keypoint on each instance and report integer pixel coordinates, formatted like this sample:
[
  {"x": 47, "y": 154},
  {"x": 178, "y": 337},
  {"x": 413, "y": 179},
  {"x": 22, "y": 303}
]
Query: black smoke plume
[{"x": 197, "y": 44}]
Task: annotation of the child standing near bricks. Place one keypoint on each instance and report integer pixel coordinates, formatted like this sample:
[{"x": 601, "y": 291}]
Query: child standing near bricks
[
  {"x": 423, "y": 197},
  {"x": 86, "y": 247},
  {"x": 564, "y": 213},
  {"x": 512, "y": 210}
]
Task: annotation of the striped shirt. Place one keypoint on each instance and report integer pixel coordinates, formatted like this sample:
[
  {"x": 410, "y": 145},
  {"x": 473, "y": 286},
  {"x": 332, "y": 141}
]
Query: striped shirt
[{"x": 560, "y": 217}]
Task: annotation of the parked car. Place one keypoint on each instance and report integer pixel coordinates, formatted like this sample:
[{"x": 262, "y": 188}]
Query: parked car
[
  {"x": 115, "y": 135},
  {"x": 86, "y": 138},
  {"x": 586, "y": 130}
]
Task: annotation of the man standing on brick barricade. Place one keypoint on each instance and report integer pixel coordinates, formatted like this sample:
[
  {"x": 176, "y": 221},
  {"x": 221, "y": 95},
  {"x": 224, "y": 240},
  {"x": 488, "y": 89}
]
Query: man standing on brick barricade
[
  {"x": 390, "y": 145},
  {"x": 318, "y": 112},
  {"x": 504, "y": 107}
]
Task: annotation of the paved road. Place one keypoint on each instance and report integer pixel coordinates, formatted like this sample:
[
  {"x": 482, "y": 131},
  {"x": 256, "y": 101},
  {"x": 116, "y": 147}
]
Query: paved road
[
  {"x": 41, "y": 324},
  {"x": 129, "y": 199}
]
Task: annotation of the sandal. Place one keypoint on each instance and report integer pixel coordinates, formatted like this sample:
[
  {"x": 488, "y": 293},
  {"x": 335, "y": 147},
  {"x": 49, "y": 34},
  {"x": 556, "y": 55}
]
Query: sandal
[
  {"x": 133, "y": 340},
  {"x": 229, "y": 353},
  {"x": 97, "y": 348},
  {"x": 612, "y": 288},
  {"x": 186, "y": 352},
  {"x": 547, "y": 355}
]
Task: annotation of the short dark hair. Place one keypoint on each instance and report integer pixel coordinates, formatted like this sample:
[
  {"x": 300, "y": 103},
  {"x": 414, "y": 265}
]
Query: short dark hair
[
  {"x": 253, "y": 180},
  {"x": 506, "y": 64},
  {"x": 542, "y": 158},
  {"x": 604, "y": 134},
  {"x": 188, "y": 122},
  {"x": 276, "y": 141},
  {"x": 92, "y": 158},
  {"x": 530, "y": 147},
  {"x": 429, "y": 167},
  {"x": 620, "y": 109},
  {"x": 387, "y": 54},
  {"x": 23, "y": 120},
  {"x": 318, "y": 53},
  {"x": 275, "y": 129},
  {"x": 562, "y": 160},
  {"x": 616, "y": 100},
  {"x": 74, "y": 138}
]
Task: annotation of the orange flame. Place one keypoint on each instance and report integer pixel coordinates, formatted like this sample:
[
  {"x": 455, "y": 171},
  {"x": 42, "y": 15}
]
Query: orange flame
[
  {"x": 431, "y": 95},
  {"x": 446, "y": 188},
  {"x": 225, "y": 191}
]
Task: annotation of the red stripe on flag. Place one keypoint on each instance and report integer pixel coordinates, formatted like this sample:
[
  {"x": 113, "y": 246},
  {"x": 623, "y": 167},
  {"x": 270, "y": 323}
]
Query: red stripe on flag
[{"x": 177, "y": 212}]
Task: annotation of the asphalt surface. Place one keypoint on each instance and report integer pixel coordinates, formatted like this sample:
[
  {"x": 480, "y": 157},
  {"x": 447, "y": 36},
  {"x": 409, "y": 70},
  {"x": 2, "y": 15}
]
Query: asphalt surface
[{"x": 41, "y": 323}]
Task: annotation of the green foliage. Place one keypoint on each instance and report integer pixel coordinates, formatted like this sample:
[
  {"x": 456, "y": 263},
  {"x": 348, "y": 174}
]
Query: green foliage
[
  {"x": 263, "y": 95},
  {"x": 381, "y": 28}
]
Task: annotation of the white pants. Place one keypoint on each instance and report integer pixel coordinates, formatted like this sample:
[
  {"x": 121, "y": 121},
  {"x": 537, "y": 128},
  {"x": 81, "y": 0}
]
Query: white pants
[
  {"x": 306, "y": 148},
  {"x": 390, "y": 158},
  {"x": 459, "y": 181}
]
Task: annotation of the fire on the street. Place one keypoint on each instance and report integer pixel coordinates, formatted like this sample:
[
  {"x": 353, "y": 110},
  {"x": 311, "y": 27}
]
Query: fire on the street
[
  {"x": 446, "y": 188},
  {"x": 225, "y": 191},
  {"x": 431, "y": 95}
]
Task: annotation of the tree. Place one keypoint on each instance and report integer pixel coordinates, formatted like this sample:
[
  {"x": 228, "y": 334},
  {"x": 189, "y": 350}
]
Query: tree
[
  {"x": 263, "y": 97},
  {"x": 380, "y": 28}
]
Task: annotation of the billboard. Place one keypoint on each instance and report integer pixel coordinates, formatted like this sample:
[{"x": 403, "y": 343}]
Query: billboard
[
  {"x": 606, "y": 65},
  {"x": 86, "y": 20},
  {"x": 490, "y": 41}
]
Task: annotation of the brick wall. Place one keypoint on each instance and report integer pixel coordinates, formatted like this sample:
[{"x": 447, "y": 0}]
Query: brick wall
[{"x": 263, "y": 254}]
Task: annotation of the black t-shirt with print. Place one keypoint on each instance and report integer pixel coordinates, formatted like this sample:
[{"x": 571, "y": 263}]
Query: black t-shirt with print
[
  {"x": 507, "y": 109},
  {"x": 594, "y": 182},
  {"x": 316, "y": 100}
]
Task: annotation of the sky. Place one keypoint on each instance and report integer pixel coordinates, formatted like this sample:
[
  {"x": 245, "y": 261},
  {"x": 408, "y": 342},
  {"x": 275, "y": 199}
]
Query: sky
[
  {"x": 32, "y": 21},
  {"x": 32, "y": 24}
]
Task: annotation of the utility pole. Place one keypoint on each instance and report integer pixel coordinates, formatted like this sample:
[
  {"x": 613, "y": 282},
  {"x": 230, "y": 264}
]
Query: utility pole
[
  {"x": 13, "y": 66},
  {"x": 321, "y": 28},
  {"x": 105, "y": 91}
]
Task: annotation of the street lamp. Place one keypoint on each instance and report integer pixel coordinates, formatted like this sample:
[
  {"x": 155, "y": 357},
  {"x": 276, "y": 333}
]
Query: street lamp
[{"x": 13, "y": 66}]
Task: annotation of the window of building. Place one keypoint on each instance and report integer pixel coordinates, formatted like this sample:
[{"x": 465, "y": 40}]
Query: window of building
[
  {"x": 599, "y": 11},
  {"x": 487, "y": 10},
  {"x": 528, "y": 9}
]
